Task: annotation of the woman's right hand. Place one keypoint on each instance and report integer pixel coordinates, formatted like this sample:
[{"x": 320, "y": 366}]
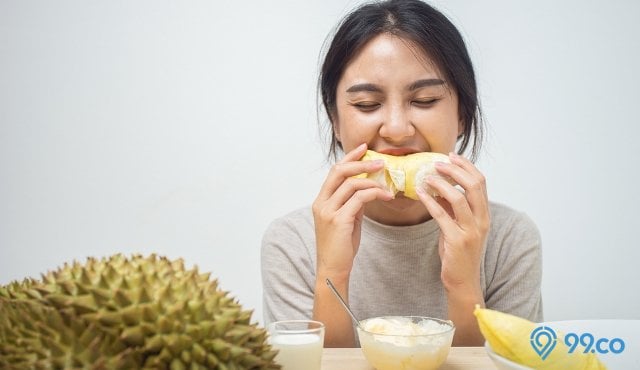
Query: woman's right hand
[{"x": 338, "y": 212}]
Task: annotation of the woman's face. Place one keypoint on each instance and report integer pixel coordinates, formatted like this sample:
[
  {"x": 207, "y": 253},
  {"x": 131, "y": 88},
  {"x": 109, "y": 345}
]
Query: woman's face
[{"x": 392, "y": 97}]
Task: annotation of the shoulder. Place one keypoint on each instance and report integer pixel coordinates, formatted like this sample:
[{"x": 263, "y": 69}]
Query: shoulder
[
  {"x": 292, "y": 233},
  {"x": 513, "y": 264},
  {"x": 508, "y": 221},
  {"x": 297, "y": 221},
  {"x": 513, "y": 236}
]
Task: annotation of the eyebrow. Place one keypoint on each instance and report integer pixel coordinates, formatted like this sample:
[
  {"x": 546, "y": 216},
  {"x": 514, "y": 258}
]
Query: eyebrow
[
  {"x": 426, "y": 83},
  {"x": 364, "y": 87},
  {"x": 369, "y": 87}
]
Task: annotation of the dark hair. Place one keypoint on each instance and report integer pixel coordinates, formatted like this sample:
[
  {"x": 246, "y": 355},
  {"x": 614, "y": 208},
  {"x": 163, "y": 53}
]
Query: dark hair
[{"x": 430, "y": 30}]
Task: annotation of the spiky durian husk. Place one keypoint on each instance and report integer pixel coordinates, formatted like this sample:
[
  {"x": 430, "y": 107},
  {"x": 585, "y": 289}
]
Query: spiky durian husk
[
  {"x": 147, "y": 311},
  {"x": 35, "y": 336}
]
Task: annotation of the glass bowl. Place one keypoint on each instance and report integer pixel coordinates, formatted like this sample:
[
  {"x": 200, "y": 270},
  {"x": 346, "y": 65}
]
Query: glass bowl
[{"x": 405, "y": 342}]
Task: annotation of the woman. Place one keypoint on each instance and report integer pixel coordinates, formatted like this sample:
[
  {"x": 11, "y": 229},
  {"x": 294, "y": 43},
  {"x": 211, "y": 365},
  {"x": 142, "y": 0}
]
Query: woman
[{"x": 397, "y": 79}]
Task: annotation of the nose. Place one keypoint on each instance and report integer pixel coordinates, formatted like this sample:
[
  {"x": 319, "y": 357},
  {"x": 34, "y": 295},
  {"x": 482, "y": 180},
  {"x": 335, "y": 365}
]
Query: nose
[{"x": 396, "y": 126}]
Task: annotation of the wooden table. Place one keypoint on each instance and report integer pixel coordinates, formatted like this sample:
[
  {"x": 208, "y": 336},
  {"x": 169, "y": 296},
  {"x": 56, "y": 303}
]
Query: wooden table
[{"x": 460, "y": 358}]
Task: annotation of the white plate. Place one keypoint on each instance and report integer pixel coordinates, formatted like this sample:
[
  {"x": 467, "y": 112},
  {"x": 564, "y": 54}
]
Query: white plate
[{"x": 501, "y": 362}]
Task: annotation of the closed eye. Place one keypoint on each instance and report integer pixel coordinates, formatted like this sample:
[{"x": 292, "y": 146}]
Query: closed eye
[
  {"x": 366, "y": 106},
  {"x": 424, "y": 103}
]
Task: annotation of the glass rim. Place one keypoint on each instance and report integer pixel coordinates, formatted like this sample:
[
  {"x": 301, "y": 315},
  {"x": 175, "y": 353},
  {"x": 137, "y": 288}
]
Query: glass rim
[{"x": 272, "y": 327}]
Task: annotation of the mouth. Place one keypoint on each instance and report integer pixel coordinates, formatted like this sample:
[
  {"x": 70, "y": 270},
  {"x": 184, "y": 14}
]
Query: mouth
[{"x": 398, "y": 151}]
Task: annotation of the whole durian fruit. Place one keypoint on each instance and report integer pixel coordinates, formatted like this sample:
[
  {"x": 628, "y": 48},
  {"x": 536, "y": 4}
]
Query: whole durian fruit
[{"x": 122, "y": 313}]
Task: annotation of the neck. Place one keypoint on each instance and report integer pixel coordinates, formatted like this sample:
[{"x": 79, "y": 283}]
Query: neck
[{"x": 400, "y": 211}]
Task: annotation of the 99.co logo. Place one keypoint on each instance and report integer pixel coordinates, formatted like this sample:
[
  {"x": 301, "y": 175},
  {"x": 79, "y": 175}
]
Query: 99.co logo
[
  {"x": 543, "y": 340},
  {"x": 593, "y": 345}
]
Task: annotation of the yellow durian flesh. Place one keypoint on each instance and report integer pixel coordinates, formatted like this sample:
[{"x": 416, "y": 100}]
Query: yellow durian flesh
[
  {"x": 509, "y": 336},
  {"x": 405, "y": 173}
]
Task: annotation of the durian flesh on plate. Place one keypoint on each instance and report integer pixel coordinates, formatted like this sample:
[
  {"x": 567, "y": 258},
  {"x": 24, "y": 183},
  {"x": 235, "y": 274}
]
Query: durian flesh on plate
[{"x": 510, "y": 337}]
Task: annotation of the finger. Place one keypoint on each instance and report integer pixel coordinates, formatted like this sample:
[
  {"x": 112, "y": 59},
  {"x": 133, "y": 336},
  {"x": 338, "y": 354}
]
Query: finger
[
  {"x": 444, "y": 220},
  {"x": 479, "y": 201},
  {"x": 349, "y": 187},
  {"x": 459, "y": 204},
  {"x": 463, "y": 172},
  {"x": 350, "y": 210},
  {"x": 345, "y": 170},
  {"x": 331, "y": 182},
  {"x": 458, "y": 174},
  {"x": 445, "y": 205},
  {"x": 468, "y": 166},
  {"x": 355, "y": 154},
  {"x": 473, "y": 186}
]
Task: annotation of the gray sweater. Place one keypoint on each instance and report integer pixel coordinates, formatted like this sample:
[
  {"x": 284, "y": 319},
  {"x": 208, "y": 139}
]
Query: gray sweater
[{"x": 397, "y": 268}]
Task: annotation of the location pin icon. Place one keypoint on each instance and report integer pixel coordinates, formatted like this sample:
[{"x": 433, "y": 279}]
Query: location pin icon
[{"x": 543, "y": 340}]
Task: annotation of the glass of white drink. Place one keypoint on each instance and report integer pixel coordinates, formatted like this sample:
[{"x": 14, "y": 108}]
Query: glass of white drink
[{"x": 299, "y": 343}]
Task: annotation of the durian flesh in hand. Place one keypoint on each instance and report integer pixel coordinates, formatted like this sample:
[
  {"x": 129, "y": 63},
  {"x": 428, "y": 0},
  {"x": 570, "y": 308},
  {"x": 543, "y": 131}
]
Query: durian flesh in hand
[
  {"x": 119, "y": 312},
  {"x": 405, "y": 173},
  {"x": 509, "y": 336}
]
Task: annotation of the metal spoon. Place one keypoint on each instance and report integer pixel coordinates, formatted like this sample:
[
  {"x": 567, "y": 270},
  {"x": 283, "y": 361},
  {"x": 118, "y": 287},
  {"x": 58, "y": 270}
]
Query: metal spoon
[{"x": 344, "y": 304}]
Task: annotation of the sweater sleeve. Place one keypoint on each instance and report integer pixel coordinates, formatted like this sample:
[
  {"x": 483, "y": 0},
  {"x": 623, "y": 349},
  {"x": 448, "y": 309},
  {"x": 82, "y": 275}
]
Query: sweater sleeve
[
  {"x": 288, "y": 271},
  {"x": 515, "y": 275}
]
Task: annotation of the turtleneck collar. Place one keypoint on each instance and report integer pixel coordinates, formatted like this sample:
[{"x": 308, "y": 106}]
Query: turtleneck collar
[{"x": 387, "y": 232}]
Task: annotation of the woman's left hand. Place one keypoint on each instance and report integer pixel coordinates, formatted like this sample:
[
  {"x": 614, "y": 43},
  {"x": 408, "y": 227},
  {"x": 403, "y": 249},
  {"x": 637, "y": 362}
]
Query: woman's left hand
[{"x": 464, "y": 223}]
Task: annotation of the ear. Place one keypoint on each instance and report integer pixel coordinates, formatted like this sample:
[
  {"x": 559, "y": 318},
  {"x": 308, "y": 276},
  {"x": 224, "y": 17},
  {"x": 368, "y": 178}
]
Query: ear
[
  {"x": 336, "y": 128},
  {"x": 460, "y": 128}
]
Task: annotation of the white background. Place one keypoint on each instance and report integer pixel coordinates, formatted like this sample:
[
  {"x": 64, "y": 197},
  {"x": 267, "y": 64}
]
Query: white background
[{"x": 184, "y": 128}]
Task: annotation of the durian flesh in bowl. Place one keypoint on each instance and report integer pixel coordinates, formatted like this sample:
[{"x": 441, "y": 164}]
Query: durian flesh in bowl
[{"x": 405, "y": 342}]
